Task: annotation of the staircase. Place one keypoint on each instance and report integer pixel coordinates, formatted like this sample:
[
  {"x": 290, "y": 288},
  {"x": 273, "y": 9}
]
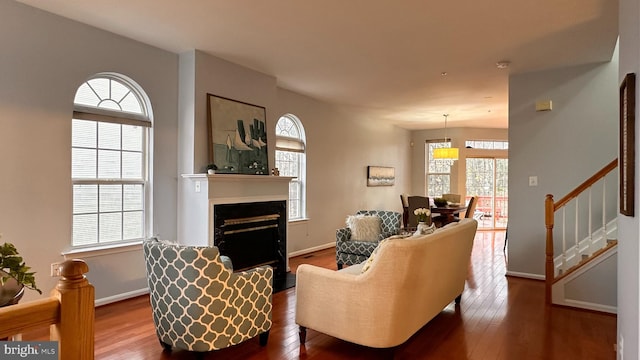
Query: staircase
[{"x": 583, "y": 273}]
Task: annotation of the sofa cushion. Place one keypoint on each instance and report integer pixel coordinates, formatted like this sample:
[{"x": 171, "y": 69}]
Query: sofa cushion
[{"x": 364, "y": 227}]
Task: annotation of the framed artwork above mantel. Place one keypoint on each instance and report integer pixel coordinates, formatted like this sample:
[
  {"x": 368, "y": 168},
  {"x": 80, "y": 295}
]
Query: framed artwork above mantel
[
  {"x": 237, "y": 136},
  {"x": 627, "y": 158}
]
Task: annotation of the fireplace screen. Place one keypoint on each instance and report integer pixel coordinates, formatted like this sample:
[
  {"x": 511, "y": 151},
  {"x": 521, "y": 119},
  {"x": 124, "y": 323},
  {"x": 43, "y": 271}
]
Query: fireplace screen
[{"x": 252, "y": 234}]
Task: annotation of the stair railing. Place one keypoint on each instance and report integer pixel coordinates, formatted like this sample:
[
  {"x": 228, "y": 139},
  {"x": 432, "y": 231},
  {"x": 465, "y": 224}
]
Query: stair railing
[
  {"x": 70, "y": 312},
  {"x": 552, "y": 207}
]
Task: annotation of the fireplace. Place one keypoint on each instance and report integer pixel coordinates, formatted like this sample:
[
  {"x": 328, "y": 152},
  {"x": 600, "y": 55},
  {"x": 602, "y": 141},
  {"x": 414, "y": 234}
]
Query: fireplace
[
  {"x": 252, "y": 234},
  {"x": 245, "y": 216}
]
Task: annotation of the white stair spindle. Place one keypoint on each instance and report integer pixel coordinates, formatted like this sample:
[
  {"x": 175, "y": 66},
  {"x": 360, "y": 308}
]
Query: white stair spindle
[
  {"x": 564, "y": 239},
  {"x": 576, "y": 250},
  {"x": 604, "y": 209}
]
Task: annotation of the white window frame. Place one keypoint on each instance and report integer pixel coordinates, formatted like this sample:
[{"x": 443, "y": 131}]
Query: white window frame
[
  {"x": 106, "y": 115},
  {"x": 297, "y": 145},
  {"x": 429, "y": 160}
]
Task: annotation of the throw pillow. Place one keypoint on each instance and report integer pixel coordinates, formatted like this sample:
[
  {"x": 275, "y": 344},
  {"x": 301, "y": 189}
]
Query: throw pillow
[
  {"x": 364, "y": 227},
  {"x": 369, "y": 261}
]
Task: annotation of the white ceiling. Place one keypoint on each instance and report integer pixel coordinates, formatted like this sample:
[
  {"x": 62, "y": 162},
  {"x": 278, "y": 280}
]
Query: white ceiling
[{"x": 381, "y": 56}]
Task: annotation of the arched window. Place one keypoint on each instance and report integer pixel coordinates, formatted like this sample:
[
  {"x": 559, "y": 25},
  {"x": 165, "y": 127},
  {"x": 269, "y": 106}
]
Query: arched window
[
  {"x": 291, "y": 161},
  {"x": 110, "y": 133}
]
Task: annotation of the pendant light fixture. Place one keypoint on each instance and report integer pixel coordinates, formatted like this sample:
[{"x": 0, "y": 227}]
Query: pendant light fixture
[{"x": 448, "y": 153}]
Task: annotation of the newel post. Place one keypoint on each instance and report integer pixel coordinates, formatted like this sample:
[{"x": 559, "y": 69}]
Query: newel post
[
  {"x": 74, "y": 331},
  {"x": 549, "y": 215}
]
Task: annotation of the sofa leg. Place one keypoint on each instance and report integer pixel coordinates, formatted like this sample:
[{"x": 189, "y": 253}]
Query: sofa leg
[
  {"x": 264, "y": 337},
  {"x": 339, "y": 266},
  {"x": 302, "y": 332},
  {"x": 458, "y": 299}
]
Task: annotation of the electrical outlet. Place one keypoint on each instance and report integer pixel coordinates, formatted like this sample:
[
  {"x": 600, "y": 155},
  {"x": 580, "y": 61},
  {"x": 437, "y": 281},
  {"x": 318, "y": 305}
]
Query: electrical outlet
[
  {"x": 197, "y": 186},
  {"x": 55, "y": 269},
  {"x": 533, "y": 181}
]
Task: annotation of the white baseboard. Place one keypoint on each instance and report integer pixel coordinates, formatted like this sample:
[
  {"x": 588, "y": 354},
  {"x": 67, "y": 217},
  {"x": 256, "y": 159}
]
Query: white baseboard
[
  {"x": 312, "y": 249},
  {"x": 525, "y": 275},
  {"x": 120, "y": 297},
  {"x": 589, "y": 306}
]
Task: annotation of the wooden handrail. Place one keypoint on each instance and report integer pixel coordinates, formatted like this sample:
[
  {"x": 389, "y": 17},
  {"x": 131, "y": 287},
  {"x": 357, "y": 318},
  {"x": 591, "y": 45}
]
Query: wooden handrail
[
  {"x": 70, "y": 310},
  {"x": 585, "y": 185},
  {"x": 550, "y": 207}
]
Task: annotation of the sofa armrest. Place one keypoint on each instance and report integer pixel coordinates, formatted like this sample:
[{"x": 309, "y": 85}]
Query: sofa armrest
[{"x": 343, "y": 234}]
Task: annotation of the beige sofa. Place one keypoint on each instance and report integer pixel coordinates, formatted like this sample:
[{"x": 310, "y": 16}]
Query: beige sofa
[{"x": 407, "y": 283}]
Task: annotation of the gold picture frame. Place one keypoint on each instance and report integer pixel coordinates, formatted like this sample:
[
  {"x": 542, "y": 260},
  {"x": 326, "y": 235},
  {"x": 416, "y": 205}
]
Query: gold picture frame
[{"x": 627, "y": 159}]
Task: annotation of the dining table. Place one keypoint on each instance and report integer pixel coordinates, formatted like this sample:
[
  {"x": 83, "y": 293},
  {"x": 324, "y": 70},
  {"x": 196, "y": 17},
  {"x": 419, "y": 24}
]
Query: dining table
[{"x": 448, "y": 213}]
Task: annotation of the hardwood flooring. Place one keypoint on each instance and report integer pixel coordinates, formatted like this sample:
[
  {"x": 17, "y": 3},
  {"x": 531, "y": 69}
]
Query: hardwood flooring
[{"x": 499, "y": 318}]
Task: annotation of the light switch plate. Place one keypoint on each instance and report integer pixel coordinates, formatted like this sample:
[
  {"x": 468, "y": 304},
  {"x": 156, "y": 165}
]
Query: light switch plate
[{"x": 533, "y": 181}]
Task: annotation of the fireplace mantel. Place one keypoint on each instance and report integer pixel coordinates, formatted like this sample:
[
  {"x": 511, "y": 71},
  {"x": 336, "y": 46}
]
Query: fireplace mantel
[{"x": 200, "y": 192}]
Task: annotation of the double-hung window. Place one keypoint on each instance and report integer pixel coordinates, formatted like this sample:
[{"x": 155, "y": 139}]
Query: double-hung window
[
  {"x": 291, "y": 161},
  {"x": 438, "y": 171},
  {"x": 109, "y": 162}
]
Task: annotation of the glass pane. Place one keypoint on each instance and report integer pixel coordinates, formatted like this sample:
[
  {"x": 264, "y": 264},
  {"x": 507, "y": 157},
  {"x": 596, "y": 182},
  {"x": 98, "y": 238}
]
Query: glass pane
[
  {"x": 286, "y": 127},
  {"x": 438, "y": 185},
  {"x": 133, "y": 225},
  {"x": 100, "y": 86},
  {"x": 130, "y": 103},
  {"x": 502, "y": 193},
  {"x": 108, "y": 164},
  {"x": 118, "y": 91},
  {"x": 110, "y": 227},
  {"x": 133, "y": 197},
  {"x": 83, "y": 133},
  {"x": 131, "y": 138},
  {"x": 438, "y": 166},
  {"x": 85, "y": 199},
  {"x": 109, "y": 136},
  {"x": 86, "y": 96},
  {"x": 131, "y": 165},
  {"x": 85, "y": 229},
  {"x": 83, "y": 163},
  {"x": 110, "y": 198}
]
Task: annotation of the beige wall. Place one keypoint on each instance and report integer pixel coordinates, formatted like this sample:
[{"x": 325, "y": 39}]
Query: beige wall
[{"x": 44, "y": 60}]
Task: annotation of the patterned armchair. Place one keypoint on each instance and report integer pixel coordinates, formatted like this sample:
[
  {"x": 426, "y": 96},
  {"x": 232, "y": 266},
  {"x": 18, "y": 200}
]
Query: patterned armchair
[
  {"x": 351, "y": 252},
  {"x": 200, "y": 305}
]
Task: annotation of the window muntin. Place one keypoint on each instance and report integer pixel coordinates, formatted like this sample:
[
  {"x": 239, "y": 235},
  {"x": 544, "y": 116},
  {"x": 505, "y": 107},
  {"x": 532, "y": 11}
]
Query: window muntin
[
  {"x": 291, "y": 161},
  {"x": 109, "y": 163}
]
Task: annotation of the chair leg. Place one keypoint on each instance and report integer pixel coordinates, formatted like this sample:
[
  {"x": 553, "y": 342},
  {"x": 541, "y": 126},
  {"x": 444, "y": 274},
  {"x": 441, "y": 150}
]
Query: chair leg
[
  {"x": 302, "y": 332},
  {"x": 264, "y": 337},
  {"x": 458, "y": 299},
  {"x": 339, "y": 266},
  {"x": 165, "y": 346}
]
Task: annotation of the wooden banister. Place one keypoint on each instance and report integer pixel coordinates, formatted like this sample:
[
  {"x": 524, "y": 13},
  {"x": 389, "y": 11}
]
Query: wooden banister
[
  {"x": 550, "y": 207},
  {"x": 585, "y": 185},
  {"x": 70, "y": 311}
]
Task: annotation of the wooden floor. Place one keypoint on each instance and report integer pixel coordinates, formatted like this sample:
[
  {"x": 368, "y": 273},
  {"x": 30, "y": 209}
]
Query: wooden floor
[{"x": 500, "y": 318}]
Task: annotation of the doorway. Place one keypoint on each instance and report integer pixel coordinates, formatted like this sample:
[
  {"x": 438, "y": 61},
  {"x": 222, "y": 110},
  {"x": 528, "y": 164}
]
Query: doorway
[{"x": 487, "y": 179}]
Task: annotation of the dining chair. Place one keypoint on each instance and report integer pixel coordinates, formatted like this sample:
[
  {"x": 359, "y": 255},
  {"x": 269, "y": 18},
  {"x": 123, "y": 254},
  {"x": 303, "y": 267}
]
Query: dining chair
[{"x": 416, "y": 202}]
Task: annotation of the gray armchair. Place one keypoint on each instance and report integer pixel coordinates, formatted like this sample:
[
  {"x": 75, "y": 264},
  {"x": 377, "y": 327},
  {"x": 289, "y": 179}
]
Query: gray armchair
[
  {"x": 200, "y": 305},
  {"x": 351, "y": 252}
]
